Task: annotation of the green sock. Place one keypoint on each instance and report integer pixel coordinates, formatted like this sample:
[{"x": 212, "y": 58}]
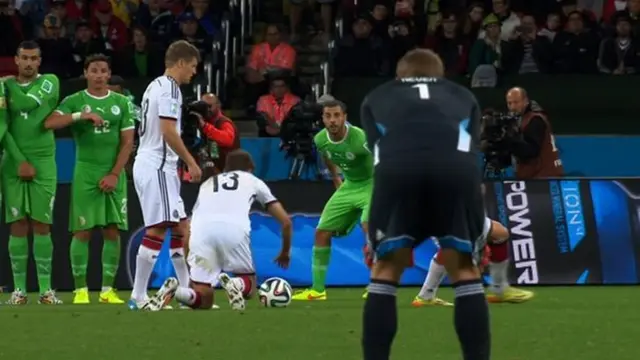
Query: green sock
[
  {"x": 79, "y": 261},
  {"x": 321, "y": 256},
  {"x": 19, "y": 253},
  {"x": 42, "y": 251},
  {"x": 110, "y": 261}
]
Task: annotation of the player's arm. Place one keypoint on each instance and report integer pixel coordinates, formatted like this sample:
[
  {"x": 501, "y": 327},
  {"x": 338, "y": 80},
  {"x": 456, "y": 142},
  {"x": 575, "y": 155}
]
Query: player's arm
[
  {"x": 370, "y": 127},
  {"x": 48, "y": 89},
  {"x": 334, "y": 171},
  {"x": 64, "y": 115},
  {"x": 169, "y": 111},
  {"x": 275, "y": 208},
  {"x": 10, "y": 145},
  {"x": 3, "y": 112},
  {"x": 127, "y": 127}
]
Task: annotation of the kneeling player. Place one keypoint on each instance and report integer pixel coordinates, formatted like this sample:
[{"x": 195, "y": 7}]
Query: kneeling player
[
  {"x": 424, "y": 131},
  {"x": 220, "y": 228}
]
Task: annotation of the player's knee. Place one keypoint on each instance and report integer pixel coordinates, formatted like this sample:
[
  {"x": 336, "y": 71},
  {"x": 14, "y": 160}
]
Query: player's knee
[
  {"x": 20, "y": 228},
  {"x": 498, "y": 234},
  {"x": 391, "y": 267},
  {"x": 159, "y": 230},
  {"x": 459, "y": 265},
  {"x": 83, "y": 235},
  {"x": 322, "y": 238},
  {"x": 40, "y": 228},
  {"x": 111, "y": 233}
]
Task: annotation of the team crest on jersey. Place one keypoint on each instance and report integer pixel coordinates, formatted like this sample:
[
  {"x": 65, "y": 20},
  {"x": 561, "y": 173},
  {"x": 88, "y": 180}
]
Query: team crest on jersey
[
  {"x": 350, "y": 156},
  {"x": 86, "y": 109},
  {"x": 115, "y": 110}
]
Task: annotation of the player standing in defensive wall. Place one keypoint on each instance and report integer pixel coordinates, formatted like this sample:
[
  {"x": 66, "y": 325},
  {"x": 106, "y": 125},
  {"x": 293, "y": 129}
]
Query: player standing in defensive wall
[
  {"x": 29, "y": 177},
  {"x": 102, "y": 124}
]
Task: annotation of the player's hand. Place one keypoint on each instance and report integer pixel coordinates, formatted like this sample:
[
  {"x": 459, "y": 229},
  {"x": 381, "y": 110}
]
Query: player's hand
[
  {"x": 26, "y": 171},
  {"x": 195, "y": 172},
  {"x": 94, "y": 118},
  {"x": 109, "y": 183},
  {"x": 283, "y": 259}
]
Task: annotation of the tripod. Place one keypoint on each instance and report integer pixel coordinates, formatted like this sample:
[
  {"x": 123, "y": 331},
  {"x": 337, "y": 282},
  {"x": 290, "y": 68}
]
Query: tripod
[{"x": 300, "y": 161}]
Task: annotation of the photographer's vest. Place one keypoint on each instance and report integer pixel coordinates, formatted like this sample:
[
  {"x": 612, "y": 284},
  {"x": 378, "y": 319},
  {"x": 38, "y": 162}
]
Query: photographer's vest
[
  {"x": 263, "y": 57},
  {"x": 275, "y": 110},
  {"x": 548, "y": 163}
]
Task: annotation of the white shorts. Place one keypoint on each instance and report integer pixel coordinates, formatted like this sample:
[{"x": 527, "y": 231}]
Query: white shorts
[
  {"x": 159, "y": 194},
  {"x": 215, "y": 247}
]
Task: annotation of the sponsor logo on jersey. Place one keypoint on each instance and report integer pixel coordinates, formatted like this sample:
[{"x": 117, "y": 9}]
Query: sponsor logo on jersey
[
  {"x": 81, "y": 220},
  {"x": 522, "y": 242},
  {"x": 14, "y": 212},
  {"x": 86, "y": 109},
  {"x": 115, "y": 110}
]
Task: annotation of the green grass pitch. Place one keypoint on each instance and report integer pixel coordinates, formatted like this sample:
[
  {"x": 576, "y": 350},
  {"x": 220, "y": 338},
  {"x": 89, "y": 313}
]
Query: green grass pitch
[{"x": 581, "y": 323}]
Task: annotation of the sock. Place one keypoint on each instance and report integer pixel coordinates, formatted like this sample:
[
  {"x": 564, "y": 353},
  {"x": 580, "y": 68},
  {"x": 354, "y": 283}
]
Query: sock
[
  {"x": 42, "y": 251},
  {"x": 19, "y": 253},
  {"x": 110, "y": 262},
  {"x": 498, "y": 267},
  {"x": 432, "y": 282},
  {"x": 177, "y": 258},
  {"x": 321, "y": 256},
  {"x": 145, "y": 261},
  {"x": 244, "y": 283},
  {"x": 380, "y": 320},
  {"x": 471, "y": 320},
  {"x": 79, "y": 260},
  {"x": 188, "y": 296}
]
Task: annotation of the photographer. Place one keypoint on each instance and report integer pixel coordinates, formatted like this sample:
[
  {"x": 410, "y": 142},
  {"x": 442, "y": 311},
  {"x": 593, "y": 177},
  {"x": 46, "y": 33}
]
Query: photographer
[
  {"x": 220, "y": 131},
  {"x": 534, "y": 147},
  {"x": 274, "y": 107}
]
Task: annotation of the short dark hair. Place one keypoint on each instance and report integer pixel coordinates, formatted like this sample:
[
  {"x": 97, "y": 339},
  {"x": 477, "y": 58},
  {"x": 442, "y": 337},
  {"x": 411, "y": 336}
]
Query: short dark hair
[
  {"x": 181, "y": 50},
  {"x": 93, "y": 58},
  {"x": 116, "y": 80},
  {"x": 28, "y": 45},
  {"x": 334, "y": 103},
  {"x": 239, "y": 160}
]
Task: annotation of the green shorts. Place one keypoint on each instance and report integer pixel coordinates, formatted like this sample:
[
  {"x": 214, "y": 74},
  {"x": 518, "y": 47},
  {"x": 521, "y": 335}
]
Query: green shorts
[
  {"x": 346, "y": 206},
  {"x": 33, "y": 199},
  {"x": 91, "y": 207}
]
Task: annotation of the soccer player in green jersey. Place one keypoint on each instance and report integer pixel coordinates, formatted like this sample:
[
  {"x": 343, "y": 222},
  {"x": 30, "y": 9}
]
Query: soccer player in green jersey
[
  {"x": 342, "y": 147},
  {"x": 102, "y": 125},
  {"x": 3, "y": 122},
  {"x": 28, "y": 171}
]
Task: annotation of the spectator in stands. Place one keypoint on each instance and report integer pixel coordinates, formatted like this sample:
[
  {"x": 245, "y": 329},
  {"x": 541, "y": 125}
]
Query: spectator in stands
[
  {"x": 59, "y": 9},
  {"x": 77, "y": 10},
  {"x": 551, "y": 27},
  {"x": 509, "y": 21},
  {"x": 620, "y": 54},
  {"x": 575, "y": 49},
  {"x": 361, "y": 53},
  {"x": 402, "y": 39},
  {"x": 526, "y": 52},
  {"x": 191, "y": 31},
  {"x": 295, "y": 17},
  {"x": 272, "y": 55},
  {"x": 122, "y": 9},
  {"x": 14, "y": 28},
  {"x": 84, "y": 44},
  {"x": 380, "y": 20},
  {"x": 56, "y": 51},
  {"x": 141, "y": 58},
  {"x": 632, "y": 12},
  {"x": 110, "y": 29},
  {"x": 473, "y": 22},
  {"x": 487, "y": 50},
  {"x": 208, "y": 22},
  {"x": 274, "y": 107},
  {"x": 449, "y": 43},
  {"x": 158, "y": 19}
]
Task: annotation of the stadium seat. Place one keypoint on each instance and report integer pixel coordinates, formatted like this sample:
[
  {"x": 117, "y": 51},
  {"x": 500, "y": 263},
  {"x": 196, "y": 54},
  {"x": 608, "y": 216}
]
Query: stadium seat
[{"x": 8, "y": 66}]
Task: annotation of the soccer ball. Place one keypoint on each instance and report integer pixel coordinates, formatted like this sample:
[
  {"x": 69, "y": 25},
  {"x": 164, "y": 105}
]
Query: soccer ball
[{"x": 275, "y": 292}]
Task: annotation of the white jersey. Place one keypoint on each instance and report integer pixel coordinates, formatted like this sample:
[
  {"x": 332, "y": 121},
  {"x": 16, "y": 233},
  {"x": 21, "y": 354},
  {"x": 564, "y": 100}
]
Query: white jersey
[
  {"x": 228, "y": 197},
  {"x": 162, "y": 99}
]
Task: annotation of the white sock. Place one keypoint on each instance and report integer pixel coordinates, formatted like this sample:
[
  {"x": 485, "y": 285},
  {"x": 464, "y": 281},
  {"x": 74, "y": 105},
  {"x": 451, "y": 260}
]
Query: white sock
[
  {"x": 145, "y": 261},
  {"x": 180, "y": 265},
  {"x": 239, "y": 283},
  {"x": 185, "y": 295},
  {"x": 432, "y": 282},
  {"x": 499, "y": 278}
]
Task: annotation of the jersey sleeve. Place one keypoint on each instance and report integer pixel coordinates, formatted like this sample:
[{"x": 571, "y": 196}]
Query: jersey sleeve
[
  {"x": 128, "y": 115},
  {"x": 263, "y": 193},
  {"x": 475, "y": 127},
  {"x": 169, "y": 103},
  {"x": 46, "y": 89},
  {"x": 373, "y": 130},
  {"x": 68, "y": 105},
  {"x": 360, "y": 139},
  {"x": 3, "y": 111}
]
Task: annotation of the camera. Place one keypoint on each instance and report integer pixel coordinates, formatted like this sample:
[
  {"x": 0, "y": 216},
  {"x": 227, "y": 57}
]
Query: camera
[
  {"x": 498, "y": 129},
  {"x": 191, "y": 125},
  {"x": 299, "y": 128}
]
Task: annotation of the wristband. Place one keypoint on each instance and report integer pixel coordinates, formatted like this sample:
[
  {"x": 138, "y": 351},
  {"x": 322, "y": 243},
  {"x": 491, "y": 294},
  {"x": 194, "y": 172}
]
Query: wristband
[{"x": 76, "y": 116}]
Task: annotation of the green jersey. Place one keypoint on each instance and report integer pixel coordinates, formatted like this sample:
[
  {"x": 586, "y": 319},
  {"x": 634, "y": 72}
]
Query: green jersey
[
  {"x": 29, "y": 106},
  {"x": 350, "y": 154},
  {"x": 98, "y": 147},
  {"x": 3, "y": 113}
]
